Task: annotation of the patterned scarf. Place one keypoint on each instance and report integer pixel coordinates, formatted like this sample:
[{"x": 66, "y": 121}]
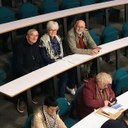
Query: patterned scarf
[
  {"x": 55, "y": 46},
  {"x": 50, "y": 121},
  {"x": 102, "y": 94}
]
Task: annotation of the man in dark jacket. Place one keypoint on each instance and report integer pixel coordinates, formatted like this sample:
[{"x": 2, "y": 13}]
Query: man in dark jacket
[{"x": 27, "y": 58}]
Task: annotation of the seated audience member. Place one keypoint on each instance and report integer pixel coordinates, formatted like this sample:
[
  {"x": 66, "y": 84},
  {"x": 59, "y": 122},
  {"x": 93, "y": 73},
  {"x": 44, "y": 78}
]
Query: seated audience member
[
  {"x": 96, "y": 93},
  {"x": 114, "y": 124},
  {"x": 80, "y": 42},
  {"x": 27, "y": 58},
  {"x": 46, "y": 116},
  {"x": 51, "y": 43}
]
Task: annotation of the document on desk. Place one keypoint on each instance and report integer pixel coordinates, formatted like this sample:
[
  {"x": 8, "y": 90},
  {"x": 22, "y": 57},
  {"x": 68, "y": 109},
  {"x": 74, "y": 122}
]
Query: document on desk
[
  {"x": 76, "y": 58},
  {"x": 112, "y": 112},
  {"x": 113, "y": 109}
]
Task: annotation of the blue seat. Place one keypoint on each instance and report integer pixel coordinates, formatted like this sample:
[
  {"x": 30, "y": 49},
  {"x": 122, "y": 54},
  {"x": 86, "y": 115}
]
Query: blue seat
[
  {"x": 49, "y": 6},
  {"x": 66, "y": 4},
  {"x": 95, "y": 37},
  {"x": 27, "y": 10},
  {"x": 121, "y": 85},
  {"x": 6, "y": 15},
  {"x": 65, "y": 107},
  {"x": 97, "y": 13},
  {"x": 86, "y": 2},
  {"x": 109, "y": 34},
  {"x": 27, "y": 123},
  {"x": 125, "y": 29},
  {"x": 119, "y": 73},
  {"x": 124, "y": 33}
]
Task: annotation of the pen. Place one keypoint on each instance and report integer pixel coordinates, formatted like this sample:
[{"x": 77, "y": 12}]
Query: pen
[{"x": 105, "y": 113}]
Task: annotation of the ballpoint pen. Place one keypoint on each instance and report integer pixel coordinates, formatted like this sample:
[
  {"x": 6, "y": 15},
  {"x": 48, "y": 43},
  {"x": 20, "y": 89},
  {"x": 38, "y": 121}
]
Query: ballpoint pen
[{"x": 105, "y": 113}]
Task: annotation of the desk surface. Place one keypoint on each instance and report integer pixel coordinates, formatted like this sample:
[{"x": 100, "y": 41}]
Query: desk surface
[
  {"x": 10, "y": 26},
  {"x": 97, "y": 120},
  {"x": 26, "y": 82},
  {"x": 78, "y": 59},
  {"x": 30, "y": 80}
]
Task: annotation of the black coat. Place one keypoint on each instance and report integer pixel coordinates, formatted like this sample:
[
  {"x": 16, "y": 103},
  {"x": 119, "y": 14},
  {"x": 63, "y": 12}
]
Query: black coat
[{"x": 27, "y": 58}]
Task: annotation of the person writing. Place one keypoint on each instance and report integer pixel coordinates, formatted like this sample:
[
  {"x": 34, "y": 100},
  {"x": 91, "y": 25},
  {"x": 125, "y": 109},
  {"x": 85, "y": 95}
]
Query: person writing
[{"x": 96, "y": 93}]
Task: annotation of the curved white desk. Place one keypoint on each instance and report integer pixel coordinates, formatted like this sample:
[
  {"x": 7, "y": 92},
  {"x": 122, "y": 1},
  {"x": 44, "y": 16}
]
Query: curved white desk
[{"x": 95, "y": 120}]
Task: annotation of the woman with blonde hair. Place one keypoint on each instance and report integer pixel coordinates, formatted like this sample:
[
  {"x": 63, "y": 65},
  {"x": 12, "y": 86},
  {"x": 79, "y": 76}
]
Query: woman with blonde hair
[{"x": 96, "y": 93}]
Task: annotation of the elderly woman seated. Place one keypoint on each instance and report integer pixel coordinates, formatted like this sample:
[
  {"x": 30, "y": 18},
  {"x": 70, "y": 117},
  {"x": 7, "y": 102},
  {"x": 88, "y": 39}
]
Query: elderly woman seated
[
  {"x": 96, "y": 93},
  {"x": 52, "y": 50}
]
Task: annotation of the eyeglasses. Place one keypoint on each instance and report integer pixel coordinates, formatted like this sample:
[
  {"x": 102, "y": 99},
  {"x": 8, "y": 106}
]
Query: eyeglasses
[
  {"x": 80, "y": 27},
  {"x": 104, "y": 85}
]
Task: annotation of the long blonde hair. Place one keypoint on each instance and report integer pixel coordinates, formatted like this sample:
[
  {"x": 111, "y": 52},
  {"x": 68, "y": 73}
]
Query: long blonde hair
[{"x": 103, "y": 77}]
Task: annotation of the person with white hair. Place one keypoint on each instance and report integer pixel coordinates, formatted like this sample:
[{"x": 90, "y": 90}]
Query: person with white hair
[{"x": 52, "y": 50}]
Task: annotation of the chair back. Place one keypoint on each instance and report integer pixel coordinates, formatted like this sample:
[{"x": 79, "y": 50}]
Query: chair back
[
  {"x": 64, "y": 106},
  {"x": 109, "y": 34},
  {"x": 48, "y": 6},
  {"x": 119, "y": 73},
  {"x": 27, "y": 10},
  {"x": 125, "y": 29},
  {"x": 28, "y": 122},
  {"x": 87, "y": 2},
  {"x": 6, "y": 15},
  {"x": 66, "y": 4},
  {"x": 121, "y": 85},
  {"x": 95, "y": 37}
]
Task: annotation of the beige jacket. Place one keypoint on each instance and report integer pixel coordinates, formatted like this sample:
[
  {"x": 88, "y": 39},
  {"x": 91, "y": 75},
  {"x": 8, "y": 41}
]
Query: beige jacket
[
  {"x": 73, "y": 40},
  {"x": 38, "y": 120}
]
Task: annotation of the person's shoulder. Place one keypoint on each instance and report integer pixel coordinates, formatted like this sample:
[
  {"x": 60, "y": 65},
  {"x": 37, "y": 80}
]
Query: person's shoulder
[
  {"x": 71, "y": 31},
  {"x": 37, "y": 112},
  {"x": 86, "y": 32},
  {"x": 90, "y": 83},
  {"x": 44, "y": 36}
]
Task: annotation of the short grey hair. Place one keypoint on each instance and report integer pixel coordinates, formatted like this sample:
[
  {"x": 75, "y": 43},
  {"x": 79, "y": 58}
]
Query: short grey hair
[
  {"x": 52, "y": 23},
  {"x": 31, "y": 30},
  {"x": 103, "y": 77}
]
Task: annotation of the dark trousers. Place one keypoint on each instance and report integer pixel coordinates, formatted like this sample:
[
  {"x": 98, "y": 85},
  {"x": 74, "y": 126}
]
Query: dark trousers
[
  {"x": 72, "y": 78},
  {"x": 62, "y": 84}
]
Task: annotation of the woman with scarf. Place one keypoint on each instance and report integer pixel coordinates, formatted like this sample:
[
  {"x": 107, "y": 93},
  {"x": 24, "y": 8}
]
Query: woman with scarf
[
  {"x": 52, "y": 51},
  {"x": 96, "y": 93},
  {"x": 46, "y": 116}
]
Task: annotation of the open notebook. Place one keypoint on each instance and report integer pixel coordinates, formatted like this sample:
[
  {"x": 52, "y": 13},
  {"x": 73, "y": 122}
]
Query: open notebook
[{"x": 112, "y": 112}]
